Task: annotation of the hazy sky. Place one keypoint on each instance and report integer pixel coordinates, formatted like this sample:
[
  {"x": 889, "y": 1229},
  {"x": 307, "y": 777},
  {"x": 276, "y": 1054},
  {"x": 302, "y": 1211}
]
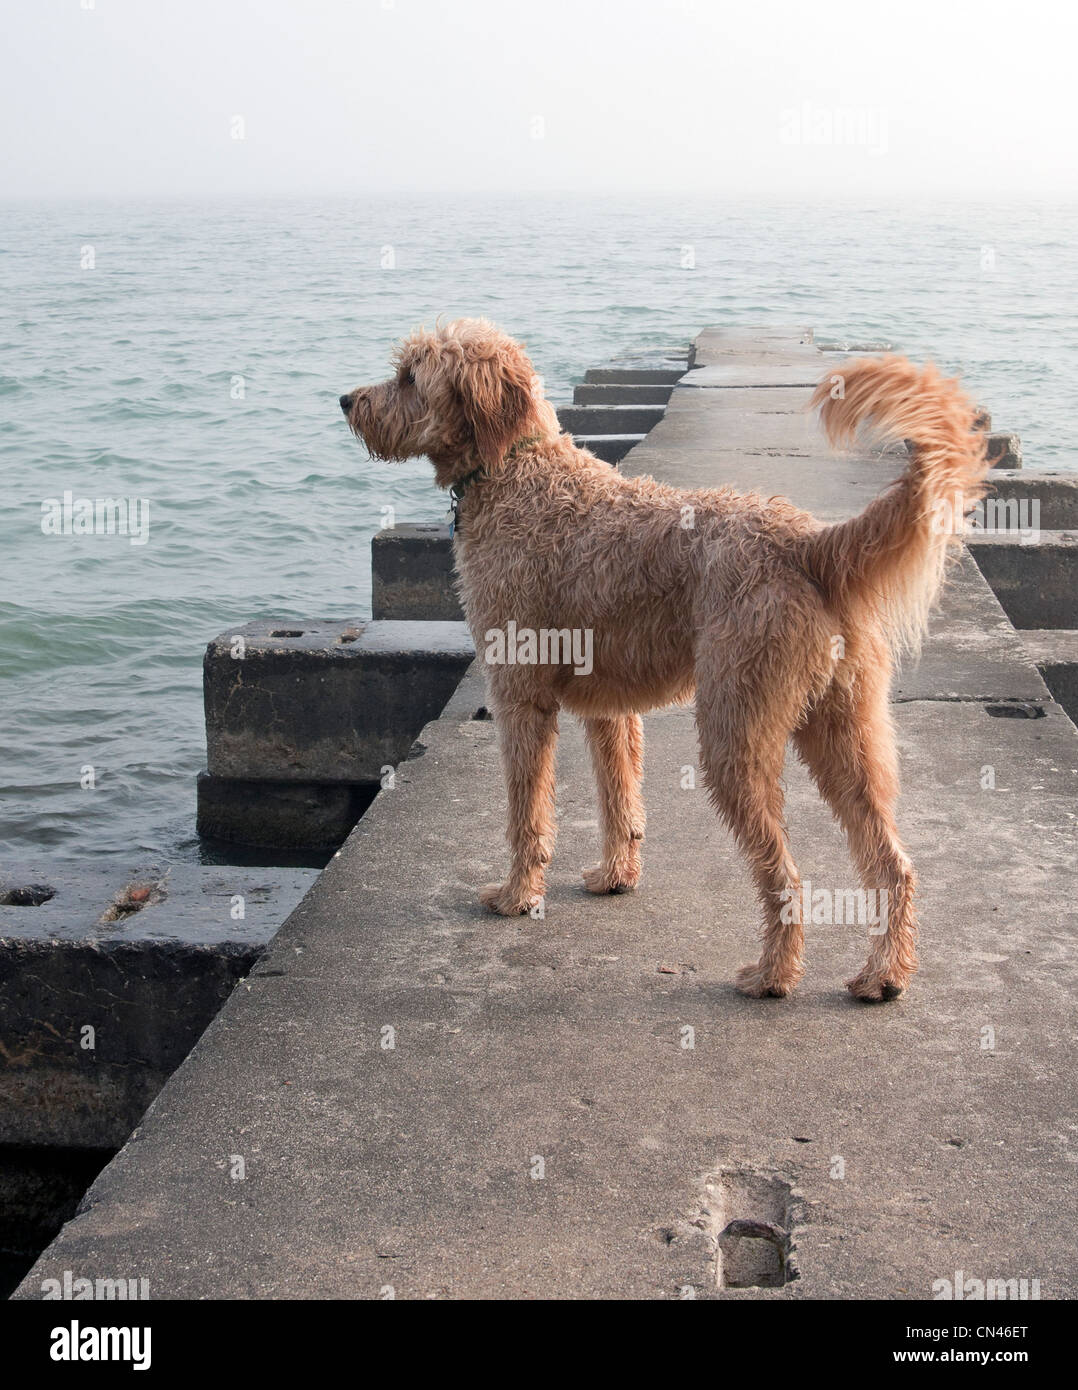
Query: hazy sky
[{"x": 772, "y": 98}]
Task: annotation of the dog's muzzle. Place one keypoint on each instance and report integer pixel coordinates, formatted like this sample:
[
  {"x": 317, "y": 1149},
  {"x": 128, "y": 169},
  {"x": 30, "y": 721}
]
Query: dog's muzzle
[{"x": 346, "y": 404}]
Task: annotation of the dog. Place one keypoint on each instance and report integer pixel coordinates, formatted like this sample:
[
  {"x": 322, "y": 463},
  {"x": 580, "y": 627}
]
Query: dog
[{"x": 739, "y": 608}]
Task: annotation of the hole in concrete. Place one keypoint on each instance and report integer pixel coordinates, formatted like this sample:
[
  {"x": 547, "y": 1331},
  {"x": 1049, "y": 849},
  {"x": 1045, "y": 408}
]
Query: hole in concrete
[
  {"x": 1017, "y": 710},
  {"x": 750, "y": 1218},
  {"x": 346, "y": 637},
  {"x": 286, "y": 632},
  {"x": 482, "y": 713},
  {"x": 753, "y": 1255},
  {"x": 133, "y": 898},
  {"x": 28, "y": 895}
]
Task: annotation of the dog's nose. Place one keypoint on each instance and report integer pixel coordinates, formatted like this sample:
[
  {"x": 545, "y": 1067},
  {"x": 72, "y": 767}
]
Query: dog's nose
[{"x": 346, "y": 404}]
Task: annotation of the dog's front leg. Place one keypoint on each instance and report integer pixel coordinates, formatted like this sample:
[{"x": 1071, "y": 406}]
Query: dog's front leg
[
  {"x": 617, "y": 754},
  {"x": 527, "y": 735}
]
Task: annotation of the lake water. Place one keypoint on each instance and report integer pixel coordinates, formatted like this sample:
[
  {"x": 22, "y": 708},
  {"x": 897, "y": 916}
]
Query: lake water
[{"x": 192, "y": 355}]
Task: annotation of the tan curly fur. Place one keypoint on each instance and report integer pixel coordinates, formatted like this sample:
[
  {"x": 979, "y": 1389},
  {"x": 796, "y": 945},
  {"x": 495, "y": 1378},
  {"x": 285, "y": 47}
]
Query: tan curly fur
[{"x": 735, "y": 598}]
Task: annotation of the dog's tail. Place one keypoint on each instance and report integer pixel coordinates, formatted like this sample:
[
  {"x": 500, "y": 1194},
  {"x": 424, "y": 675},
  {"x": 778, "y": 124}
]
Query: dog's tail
[{"x": 891, "y": 558}]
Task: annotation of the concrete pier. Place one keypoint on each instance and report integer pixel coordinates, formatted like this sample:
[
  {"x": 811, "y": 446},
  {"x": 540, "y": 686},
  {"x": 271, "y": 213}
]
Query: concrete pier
[{"x": 409, "y": 1097}]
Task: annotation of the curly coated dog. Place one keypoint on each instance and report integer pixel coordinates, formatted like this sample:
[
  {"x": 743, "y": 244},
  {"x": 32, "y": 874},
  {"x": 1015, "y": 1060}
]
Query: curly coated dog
[{"x": 609, "y": 596}]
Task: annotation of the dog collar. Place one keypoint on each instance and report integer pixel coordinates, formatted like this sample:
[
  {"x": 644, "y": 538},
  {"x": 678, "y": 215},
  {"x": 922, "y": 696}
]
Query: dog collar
[
  {"x": 459, "y": 488},
  {"x": 456, "y": 496}
]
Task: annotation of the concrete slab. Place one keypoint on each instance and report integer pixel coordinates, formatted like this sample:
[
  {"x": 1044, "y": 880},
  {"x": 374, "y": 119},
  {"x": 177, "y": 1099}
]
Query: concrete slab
[
  {"x": 794, "y": 399},
  {"x": 322, "y": 701},
  {"x": 1036, "y": 582},
  {"x": 766, "y": 370},
  {"x": 773, "y": 370},
  {"x": 832, "y": 486},
  {"x": 771, "y": 433},
  {"x": 715, "y": 345},
  {"x": 1055, "y": 655},
  {"x": 629, "y": 375},
  {"x": 611, "y": 448},
  {"x": 971, "y": 652},
  {"x": 109, "y": 980},
  {"x": 1051, "y": 645},
  {"x": 412, "y": 573},
  {"x": 275, "y": 815},
  {"x": 621, "y": 393},
  {"x": 609, "y": 419},
  {"x": 1055, "y": 493},
  {"x": 540, "y": 1127}
]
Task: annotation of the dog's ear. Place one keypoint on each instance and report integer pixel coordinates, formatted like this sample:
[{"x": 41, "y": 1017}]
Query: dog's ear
[{"x": 495, "y": 386}]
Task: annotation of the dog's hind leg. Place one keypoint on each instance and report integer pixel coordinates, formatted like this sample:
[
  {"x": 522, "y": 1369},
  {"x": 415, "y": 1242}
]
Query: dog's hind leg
[
  {"x": 528, "y": 736},
  {"x": 742, "y": 746},
  {"x": 617, "y": 754},
  {"x": 848, "y": 745}
]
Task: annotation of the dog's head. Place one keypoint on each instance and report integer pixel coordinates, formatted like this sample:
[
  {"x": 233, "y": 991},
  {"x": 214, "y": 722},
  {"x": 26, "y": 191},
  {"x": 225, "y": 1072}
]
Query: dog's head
[{"x": 461, "y": 395}]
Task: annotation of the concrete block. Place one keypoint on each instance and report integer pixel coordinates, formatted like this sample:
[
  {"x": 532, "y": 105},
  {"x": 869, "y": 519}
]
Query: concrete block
[
  {"x": 627, "y": 375},
  {"x": 1037, "y": 584},
  {"x": 609, "y": 419},
  {"x": 611, "y": 448},
  {"x": 613, "y": 393},
  {"x": 109, "y": 975},
  {"x": 412, "y": 573},
  {"x": 323, "y": 701},
  {"x": 1056, "y": 494},
  {"x": 1004, "y": 451},
  {"x": 1055, "y": 654},
  {"x": 280, "y": 815}
]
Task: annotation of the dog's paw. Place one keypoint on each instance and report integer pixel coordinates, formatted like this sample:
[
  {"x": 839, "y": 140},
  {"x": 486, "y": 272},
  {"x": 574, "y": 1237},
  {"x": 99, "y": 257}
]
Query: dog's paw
[
  {"x": 876, "y": 988},
  {"x": 761, "y": 982},
  {"x": 501, "y": 898},
  {"x": 603, "y": 879}
]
